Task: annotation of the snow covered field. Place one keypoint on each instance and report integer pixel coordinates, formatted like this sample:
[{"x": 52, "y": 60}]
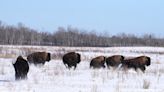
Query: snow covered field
[{"x": 54, "y": 77}]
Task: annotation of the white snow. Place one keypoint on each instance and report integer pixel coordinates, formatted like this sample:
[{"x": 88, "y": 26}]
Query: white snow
[{"x": 54, "y": 77}]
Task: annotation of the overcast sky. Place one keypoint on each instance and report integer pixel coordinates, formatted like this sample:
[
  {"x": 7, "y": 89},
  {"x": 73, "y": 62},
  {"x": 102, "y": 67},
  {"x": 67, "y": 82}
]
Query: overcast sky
[{"x": 112, "y": 16}]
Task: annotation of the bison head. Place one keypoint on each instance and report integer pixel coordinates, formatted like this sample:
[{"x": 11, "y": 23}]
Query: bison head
[
  {"x": 148, "y": 61},
  {"x": 20, "y": 58},
  {"x": 48, "y": 57},
  {"x": 78, "y": 57}
]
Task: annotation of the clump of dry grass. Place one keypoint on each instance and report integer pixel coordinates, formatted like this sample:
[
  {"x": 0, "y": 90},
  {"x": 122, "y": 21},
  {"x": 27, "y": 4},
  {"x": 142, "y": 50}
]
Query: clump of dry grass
[{"x": 7, "y": 55}]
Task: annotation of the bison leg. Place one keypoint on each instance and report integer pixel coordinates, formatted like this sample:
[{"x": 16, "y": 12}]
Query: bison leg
[
  {"x": 69, "y": 67},
  {"x": 143, "y": 68},
  {"x": 43, "y": 62},
  {"x": 108, "y": 66},
  {"x": 123, "y": 66},
  {"x": 75, "y": 67},
  {"x": 90, "y": 66},
  {"x": 135, "y": 68},
  {"x": 17, "y": 76},
  {"x": 23, "y": 76},
  {"x": 35, "y": 63},
  {"x": 66, "y": 65},
  {"x": 103, "y": 66}
]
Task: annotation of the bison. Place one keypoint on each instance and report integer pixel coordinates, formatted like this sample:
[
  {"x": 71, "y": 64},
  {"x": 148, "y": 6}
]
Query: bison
[
  {"x": 21, "y": 68},
  {"x": 137, "y": 62},
  {"x": 71, "y": 59},
  {"x": 98, "y": 62},
  {"x": 39, "y": 57},
  {"x": 114, "y": 60}
]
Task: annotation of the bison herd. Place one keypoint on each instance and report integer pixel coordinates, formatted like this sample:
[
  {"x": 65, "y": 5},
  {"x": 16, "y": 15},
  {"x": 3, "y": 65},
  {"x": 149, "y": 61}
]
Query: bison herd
[
  {"x": 21, "y": 65},
  {"x": 71, "y": 59}
]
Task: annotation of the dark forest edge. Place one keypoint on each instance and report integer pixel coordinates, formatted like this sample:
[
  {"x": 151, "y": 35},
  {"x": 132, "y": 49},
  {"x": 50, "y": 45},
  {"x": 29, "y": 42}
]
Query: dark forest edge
[{"x": 22, "y": 35}]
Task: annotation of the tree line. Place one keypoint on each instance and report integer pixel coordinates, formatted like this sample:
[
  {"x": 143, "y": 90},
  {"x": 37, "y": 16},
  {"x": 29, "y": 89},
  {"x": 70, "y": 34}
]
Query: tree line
[{"x": 22, "y": 35}]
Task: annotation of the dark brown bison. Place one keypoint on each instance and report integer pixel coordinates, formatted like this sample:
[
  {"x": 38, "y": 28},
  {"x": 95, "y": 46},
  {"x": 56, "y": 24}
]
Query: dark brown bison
[
  {"x": 98, "y": 62},
  {"x": 71, "y": 59},
  {"x": 39, "y": 57},
  {"x": 21, "y": 68},
  {"x": 114, "y": 60},
  {"x": 138, "y": 62}
]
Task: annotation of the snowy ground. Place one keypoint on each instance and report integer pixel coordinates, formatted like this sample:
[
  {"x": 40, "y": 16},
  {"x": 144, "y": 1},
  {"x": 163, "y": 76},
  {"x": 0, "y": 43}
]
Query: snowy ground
[{"x": 54, "y": 77}]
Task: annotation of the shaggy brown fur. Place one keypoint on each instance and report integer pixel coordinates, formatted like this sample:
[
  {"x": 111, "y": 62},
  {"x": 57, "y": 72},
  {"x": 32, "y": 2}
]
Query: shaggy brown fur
[
  {"x": 114, "y": 60},
  {"x": 39, "y": 57},
  {"x": 71, "y": 59},
  {"x": 138, "y": 62},
  {"x": 21, "y": 68},
  {"x": 98, "y": 62}
]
